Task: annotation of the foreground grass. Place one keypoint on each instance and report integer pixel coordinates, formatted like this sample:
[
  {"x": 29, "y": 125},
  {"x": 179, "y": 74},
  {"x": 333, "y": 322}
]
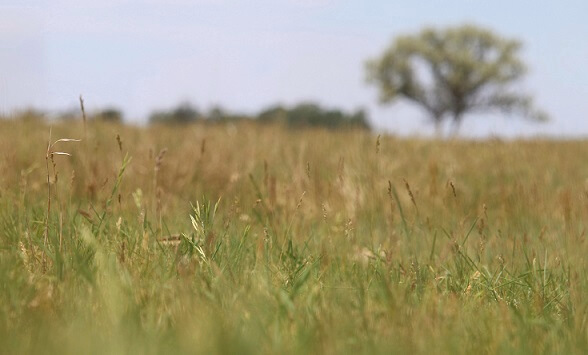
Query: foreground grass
[{"x": 246, "y": 239}]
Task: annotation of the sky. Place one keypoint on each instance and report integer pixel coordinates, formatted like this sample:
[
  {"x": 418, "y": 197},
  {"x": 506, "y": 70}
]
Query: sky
[{"x": 246, "y": 55}]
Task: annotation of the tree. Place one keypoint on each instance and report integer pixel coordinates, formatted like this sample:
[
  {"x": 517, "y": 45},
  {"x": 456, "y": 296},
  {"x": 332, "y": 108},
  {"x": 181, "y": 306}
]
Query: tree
[{"x": 452, "y": 72}]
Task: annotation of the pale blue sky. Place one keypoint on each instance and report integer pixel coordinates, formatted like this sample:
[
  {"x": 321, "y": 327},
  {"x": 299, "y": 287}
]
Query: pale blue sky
[{"x": 245, "y": 55}]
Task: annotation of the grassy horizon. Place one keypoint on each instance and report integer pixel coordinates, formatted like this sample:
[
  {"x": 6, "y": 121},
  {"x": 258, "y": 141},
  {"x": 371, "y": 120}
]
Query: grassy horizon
[{"x": 245, "y": 238}]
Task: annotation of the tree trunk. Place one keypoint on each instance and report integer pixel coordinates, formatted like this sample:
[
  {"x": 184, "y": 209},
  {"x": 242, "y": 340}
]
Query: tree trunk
[
  {"x": 455, "y": 125},
  {"x": 438, "y": 128},
  {"x": 438, "y": 122}
]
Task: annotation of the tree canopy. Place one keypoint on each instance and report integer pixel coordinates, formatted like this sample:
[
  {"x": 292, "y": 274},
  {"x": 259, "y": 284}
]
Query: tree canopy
[{"x": 454, "y": 71}]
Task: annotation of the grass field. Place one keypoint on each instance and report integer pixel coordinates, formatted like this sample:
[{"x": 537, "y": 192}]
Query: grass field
[{"x": 257, "y": 240}]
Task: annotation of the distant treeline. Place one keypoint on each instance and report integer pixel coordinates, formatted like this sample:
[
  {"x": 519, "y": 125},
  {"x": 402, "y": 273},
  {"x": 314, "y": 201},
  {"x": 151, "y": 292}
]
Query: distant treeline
[
  {"x": 299, "y": 116},
  {"x": 303, "y": 115}
]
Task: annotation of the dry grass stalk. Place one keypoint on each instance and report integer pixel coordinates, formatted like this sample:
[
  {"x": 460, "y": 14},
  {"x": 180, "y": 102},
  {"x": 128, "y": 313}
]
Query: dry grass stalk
[
  {"x": 378, "y": 144},
  {"x": 120, "y": 143},
  {"x": 50, "y": 156},
  {"x": 82, "y": 108},
  {"x": 156, "y": 188},
  {"x": 450, "y": 183},
  {"x": 410, "y": 193}
]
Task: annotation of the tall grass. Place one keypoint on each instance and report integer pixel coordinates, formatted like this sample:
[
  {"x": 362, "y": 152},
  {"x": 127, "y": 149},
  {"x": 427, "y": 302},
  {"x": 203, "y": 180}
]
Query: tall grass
[{"x": 251, "y": 239}]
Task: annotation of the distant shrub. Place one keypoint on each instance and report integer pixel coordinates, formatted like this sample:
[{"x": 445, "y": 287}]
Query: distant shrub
[
  {"x": 184, "y": 113},
  {"x": 110, "y": 114},
  {"x": 273, "y": 114},
  {"x": 28, "y": 114},
  {"x": 71, "y": 114},
  {"x": 217, "y": 114}
]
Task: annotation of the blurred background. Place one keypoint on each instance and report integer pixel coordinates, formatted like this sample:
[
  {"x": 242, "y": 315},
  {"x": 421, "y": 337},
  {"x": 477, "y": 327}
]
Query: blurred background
[{"x": 142, "y": 57}]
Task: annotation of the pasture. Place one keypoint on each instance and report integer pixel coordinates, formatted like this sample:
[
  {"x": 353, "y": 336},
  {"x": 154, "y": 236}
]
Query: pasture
[{"x": 255, "y": 239}]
